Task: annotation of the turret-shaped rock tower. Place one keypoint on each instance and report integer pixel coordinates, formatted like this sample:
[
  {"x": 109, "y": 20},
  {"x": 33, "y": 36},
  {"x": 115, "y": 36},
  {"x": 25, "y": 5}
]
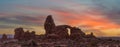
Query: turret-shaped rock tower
[{"x": 49, "y": 24}]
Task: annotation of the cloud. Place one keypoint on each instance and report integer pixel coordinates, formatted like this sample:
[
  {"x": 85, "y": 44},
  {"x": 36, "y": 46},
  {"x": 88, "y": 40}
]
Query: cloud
[
  {"x": 95, "y": 19},
  {"x": 21, "y": 21},
  {"x": 31, "y": 19},
  {"x": 111, "y": 9},
  {"x": 5, "y": 26}
]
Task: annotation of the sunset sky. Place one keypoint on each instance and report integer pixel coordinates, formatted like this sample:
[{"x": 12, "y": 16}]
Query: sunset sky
[{"x": 102, "y": 17}]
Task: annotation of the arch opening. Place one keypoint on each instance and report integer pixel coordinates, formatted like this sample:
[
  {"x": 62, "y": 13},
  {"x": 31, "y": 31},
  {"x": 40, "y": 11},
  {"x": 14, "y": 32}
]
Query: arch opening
[{"x": 68, "y": 31}]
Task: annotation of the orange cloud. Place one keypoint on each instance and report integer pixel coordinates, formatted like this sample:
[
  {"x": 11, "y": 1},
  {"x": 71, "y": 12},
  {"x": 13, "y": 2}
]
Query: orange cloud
[
  {"x": 92, "y": 20},
  {"x": 96, "y": 21}
]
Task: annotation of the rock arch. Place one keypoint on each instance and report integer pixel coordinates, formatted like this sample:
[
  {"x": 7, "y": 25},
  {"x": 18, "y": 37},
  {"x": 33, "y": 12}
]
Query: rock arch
[
  {"x": 76, "y": 33},
  {"x": 61, "y": 31}
]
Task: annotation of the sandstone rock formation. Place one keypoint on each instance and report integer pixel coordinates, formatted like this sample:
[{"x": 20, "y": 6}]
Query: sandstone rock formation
[
  {"x": 53, "y": 32},
  {"x": 76, "y": 33},
  {"x": 49, "y": 25},
  {"x": 20, "y": 34},
  {"x": 61, "y": 31}
]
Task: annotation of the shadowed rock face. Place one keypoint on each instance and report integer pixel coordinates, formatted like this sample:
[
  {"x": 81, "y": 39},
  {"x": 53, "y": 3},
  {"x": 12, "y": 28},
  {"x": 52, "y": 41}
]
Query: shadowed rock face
[
  {"x": 49, "y": 25},
  {"x": 33, "y": 35},
  {"x": 19, "y": 33},
  {"x": 76, "y": 33},
  {"x": 27, "y": 35},
  {"x": 55, "y": 31},
  {"x": 62, "y": 31}
]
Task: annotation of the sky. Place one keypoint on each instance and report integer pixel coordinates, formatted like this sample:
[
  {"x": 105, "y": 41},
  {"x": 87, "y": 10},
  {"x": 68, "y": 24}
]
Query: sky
[{"x": 102, "y": 17}]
